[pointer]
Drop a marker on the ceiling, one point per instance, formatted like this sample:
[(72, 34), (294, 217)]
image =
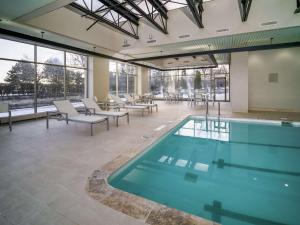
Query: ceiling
[(285, 35)]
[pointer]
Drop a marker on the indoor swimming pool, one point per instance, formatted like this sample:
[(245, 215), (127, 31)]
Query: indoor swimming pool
[(233, 172)]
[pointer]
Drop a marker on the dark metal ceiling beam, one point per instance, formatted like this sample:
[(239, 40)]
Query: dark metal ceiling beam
[(244, 6), (98, 18), (213, 59), (196, 8), (222, 51), (298, 7), (150, 17), (120, 9), (159, 7)]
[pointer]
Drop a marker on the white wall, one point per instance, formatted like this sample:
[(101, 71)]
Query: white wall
[(239, 82), (281, 96)]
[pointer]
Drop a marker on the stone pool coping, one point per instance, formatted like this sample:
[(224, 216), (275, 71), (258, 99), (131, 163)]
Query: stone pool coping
[(150, 212)]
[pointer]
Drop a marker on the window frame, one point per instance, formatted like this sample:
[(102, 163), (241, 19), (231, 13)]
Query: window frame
[(64, 65), (132, 72)]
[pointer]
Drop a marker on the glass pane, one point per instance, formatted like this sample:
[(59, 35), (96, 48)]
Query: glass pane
[(112, 66), (122, 68), (122, 83), (50, 56), (75, 84), (131, 85), (156, 83), (112, 83), (50, 84), (76, 60), (169, 84), (220, 89), (17, 83), (16, 50)]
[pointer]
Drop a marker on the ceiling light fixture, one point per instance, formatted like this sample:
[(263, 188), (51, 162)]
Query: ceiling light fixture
[(151, 39), (125, 44)]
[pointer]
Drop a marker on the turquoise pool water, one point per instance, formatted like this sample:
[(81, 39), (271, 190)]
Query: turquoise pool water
[(234, 173)]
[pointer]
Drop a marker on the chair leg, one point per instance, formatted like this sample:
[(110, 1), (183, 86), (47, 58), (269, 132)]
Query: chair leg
[(91, 129), (47, 121), (117, 122), (107, 124), (156, 108), (127, 117), (9, 121)]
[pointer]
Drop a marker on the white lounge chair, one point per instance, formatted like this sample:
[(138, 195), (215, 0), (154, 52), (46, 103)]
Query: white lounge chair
[(122, 104), (135, 102), (94, 109), (5, 113), (69, 113)]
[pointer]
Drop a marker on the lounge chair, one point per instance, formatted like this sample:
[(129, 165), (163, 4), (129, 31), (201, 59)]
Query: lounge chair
[(122, 104), (69, 113), (5, 113), (135, 102), (94, 109)]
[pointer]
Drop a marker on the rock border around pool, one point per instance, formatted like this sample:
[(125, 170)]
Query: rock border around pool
[(132, 205)]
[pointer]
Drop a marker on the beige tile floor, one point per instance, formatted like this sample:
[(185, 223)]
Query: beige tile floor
[(43, 173)]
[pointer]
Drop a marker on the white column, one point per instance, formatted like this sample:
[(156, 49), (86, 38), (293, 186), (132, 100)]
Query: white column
[(239, 82), (100, 81), (143, 80)]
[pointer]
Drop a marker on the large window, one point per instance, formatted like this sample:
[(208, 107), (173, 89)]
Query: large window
[(122, 78), (214, 81), (32, 76)]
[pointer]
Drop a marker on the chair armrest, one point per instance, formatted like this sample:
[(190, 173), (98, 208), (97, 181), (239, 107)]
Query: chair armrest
[(90, 111)]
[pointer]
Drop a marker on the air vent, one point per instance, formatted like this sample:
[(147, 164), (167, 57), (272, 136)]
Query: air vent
[(186, 61), (273, 77), (151, 41), (184, 36), (269, 23), (170, 63), (222, 30)]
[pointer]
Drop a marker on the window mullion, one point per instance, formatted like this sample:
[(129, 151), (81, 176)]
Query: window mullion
[(65, 75), (35, 80)]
